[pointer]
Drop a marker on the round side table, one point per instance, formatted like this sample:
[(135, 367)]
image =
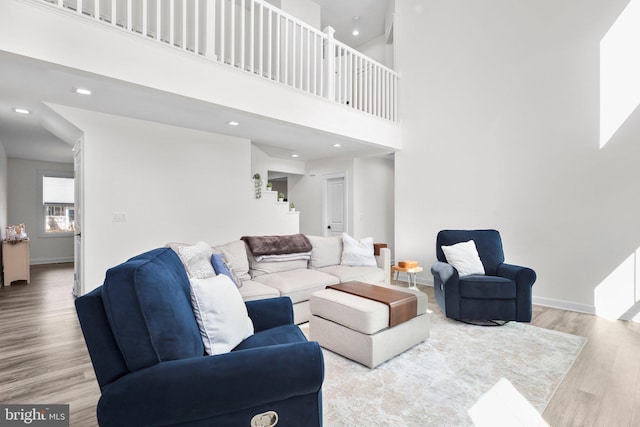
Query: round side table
[(412, 274)]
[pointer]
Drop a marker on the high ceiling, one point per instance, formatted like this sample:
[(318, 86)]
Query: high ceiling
[(27, 83), (340, 14)]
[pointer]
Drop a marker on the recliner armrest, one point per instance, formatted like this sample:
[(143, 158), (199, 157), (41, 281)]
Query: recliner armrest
[(520, 275), (269, 313), (199, 388), (444, 272)]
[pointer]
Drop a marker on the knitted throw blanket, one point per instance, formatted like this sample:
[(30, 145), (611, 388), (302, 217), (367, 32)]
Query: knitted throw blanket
[(277, 245)]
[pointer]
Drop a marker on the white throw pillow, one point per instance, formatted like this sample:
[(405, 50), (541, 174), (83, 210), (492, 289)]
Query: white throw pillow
[(464, 258), (197, 260), (220, 312), (357, 253), (326, 251)]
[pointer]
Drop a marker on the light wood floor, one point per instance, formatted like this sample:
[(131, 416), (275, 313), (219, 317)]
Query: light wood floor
[(43, 358)]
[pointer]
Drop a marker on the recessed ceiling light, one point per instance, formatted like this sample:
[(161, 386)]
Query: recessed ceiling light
[(356, 33), (21, 111), (82, 91), (295, 155), (356, 18), (337, 145), (232, 123)]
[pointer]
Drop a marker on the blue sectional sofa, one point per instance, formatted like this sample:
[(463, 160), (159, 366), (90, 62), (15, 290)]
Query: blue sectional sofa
[(150, 363)]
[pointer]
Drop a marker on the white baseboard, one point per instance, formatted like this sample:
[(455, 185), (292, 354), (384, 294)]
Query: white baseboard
[(564, 305), (50, 260)]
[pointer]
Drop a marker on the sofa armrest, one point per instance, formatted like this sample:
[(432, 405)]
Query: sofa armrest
[(199, 388), (384, 262), (269, 313)]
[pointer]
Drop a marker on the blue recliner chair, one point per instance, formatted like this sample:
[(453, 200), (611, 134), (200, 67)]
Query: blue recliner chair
[(502, 293), (151, 366)]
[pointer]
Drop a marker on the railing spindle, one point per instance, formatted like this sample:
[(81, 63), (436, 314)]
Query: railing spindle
[(172, 22), (308, 60), (261, 40), (185, 40), (196, 27), (232, 30), (242, 31), (145, 16), (253, 40), (293, 53), (286, 51), (278, 41), (269, 43), (315, 64), (129, 15), (223, 41)]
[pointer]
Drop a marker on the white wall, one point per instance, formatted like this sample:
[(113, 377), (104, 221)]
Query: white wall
[(174, 184), (25, 207), (375, 49), (500, 108), (373, 186), (369, 191), (307, 193), (262, 163), (305, 10), (3, 191)]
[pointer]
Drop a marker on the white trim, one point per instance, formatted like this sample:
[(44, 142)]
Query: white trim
[(564, 305), (50, 260)]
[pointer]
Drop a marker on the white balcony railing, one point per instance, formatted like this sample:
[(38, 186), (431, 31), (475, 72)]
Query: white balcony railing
[(256, 37)]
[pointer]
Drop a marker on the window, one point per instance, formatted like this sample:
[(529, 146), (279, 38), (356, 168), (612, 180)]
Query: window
[(58, 203)]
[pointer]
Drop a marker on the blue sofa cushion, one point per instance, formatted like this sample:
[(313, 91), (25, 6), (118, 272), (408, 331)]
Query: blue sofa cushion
[(147, 302), (487, 287)]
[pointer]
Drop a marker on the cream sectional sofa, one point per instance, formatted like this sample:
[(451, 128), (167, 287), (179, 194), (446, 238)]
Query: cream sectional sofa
[(298, 279)]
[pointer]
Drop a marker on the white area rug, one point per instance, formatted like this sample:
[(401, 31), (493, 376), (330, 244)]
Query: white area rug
[(436, 383)]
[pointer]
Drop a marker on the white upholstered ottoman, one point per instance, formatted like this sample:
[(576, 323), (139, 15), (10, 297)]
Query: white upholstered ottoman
[(358, 328)]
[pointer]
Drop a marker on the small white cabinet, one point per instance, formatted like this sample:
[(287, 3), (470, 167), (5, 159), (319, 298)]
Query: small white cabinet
[(15, 257)]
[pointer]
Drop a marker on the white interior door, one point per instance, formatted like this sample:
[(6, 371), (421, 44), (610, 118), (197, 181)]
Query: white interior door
[(335, 206), (78, 282)]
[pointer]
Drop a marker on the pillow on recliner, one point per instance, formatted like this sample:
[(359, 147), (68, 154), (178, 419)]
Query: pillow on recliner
[(464, 258), (220, 312)]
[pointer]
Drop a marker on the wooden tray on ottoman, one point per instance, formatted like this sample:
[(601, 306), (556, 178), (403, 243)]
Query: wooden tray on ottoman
[(402, 305)]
